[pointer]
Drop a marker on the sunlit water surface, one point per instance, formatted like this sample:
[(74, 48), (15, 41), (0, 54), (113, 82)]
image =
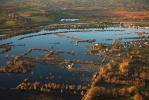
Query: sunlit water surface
[(41, 72)]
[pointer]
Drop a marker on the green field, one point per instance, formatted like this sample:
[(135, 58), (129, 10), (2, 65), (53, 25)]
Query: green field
[(143, 52), (24, 12), (35, 15), (35, 4), (39, 19), (145, 88), (1, 15)]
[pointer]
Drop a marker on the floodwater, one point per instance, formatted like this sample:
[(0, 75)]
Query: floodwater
[(61, 75), (69, 19)]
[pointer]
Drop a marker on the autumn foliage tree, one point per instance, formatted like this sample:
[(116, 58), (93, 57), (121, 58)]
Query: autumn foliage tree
[(29, 14), (137, 96)]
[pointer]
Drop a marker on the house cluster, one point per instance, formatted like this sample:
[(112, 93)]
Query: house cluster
[(67, 64), (15, 17), (129, 25), (125, 46)]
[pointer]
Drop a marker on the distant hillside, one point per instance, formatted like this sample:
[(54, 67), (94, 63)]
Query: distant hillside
[(94, 4), (84, 1)]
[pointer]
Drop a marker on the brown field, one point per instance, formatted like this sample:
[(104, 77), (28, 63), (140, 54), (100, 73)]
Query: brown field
[(117, 14)]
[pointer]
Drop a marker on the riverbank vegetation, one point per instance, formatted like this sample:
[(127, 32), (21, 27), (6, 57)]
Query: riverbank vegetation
[(129, 76), (124, 73)]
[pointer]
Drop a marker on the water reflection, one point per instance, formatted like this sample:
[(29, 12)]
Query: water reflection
[(57, 74)]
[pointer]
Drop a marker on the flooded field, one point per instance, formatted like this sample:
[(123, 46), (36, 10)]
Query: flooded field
[(66, 45)]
